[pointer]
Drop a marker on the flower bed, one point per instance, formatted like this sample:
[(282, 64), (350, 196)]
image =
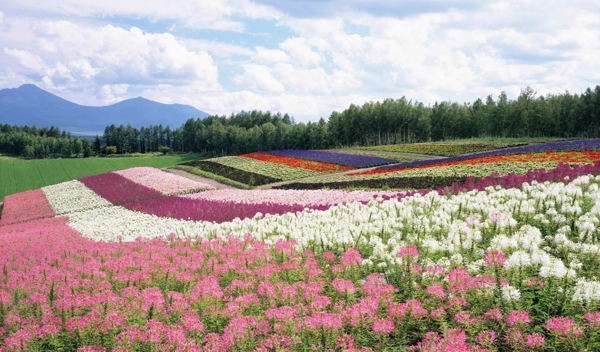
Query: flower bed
[(496, 269), (574, 157), (118, 189), (163, 182), (25, 206), (73, 196), (318, 166), (232, 173), (333, 157), (578, 145), (446, 148), (296, 197), (213, 210), (278, 171)]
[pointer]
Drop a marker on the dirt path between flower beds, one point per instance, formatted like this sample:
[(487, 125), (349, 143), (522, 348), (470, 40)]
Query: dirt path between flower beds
[(186, 174)]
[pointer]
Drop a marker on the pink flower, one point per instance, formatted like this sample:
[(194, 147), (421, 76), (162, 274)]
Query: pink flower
[(351, 257), (494, 258), (486, 338), (343, 286), (382, 326), (563, 326), (465, 318), (494, 314), (535, 340), (408, 251), (436, 290), (438, 313), (518, 317), (593, 318), (514, 337), (329, 256)]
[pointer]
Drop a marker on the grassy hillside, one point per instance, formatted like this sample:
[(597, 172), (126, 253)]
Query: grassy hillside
[(17, 175)]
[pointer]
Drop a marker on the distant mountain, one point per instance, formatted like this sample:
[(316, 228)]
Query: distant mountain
[(29, 105)]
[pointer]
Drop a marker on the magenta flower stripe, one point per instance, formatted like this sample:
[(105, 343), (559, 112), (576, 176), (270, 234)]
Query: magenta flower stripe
[(212, 210), (118, 189)]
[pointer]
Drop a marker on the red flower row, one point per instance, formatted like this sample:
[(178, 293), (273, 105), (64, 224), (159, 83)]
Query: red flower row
[(318, 166), (585, 156)]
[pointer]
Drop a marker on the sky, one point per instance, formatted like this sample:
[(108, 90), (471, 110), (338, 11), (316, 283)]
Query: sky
[(306, 58)]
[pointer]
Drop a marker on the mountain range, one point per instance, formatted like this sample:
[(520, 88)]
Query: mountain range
[(30, 105)]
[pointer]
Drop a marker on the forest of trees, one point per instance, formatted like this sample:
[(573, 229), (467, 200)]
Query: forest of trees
[(374, 123)]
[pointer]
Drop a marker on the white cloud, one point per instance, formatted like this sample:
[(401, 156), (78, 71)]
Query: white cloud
[(112, 55), (259, 78), (27, 59), (306, 66)]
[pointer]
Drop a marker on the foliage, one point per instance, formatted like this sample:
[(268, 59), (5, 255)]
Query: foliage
[(245, 177), (275, 170), (164, 149)]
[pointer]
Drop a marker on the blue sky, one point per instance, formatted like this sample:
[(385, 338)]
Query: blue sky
[(306, 57)]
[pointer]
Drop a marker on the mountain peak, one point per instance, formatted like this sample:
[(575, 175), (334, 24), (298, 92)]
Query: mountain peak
[(30, 105)]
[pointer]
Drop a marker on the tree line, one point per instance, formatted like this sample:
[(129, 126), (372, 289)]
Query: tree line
[(389, 121)]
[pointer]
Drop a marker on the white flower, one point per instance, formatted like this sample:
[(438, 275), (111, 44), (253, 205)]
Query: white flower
[(510, 293)]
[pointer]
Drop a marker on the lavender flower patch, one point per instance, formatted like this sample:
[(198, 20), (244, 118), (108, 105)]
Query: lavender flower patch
[(333, 157), (118, 189), (578, 145)]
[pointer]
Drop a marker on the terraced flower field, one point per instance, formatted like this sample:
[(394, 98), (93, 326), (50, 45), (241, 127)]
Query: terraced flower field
[(145, 260)]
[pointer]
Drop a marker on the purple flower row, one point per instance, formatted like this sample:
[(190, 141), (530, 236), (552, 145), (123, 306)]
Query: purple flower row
[(212, 210), (118, 189), (333, 157), (578, 145)]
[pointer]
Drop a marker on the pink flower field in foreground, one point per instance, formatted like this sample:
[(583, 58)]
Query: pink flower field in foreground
[(164, 182), (25, 206), (296, 197)]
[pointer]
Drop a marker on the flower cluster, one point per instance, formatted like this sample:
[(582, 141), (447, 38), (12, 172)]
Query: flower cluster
[(164, 182), (318, 166)]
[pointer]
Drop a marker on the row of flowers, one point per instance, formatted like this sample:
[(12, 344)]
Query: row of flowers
[(277, 171), (446, 148), (318, 166), (25, 206), (233, 173), (494, 269), (353, 160), (164, 182), (565, 146), (573, 157)]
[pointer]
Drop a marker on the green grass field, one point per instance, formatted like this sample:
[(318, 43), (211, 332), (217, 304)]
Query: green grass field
[(17, 175)]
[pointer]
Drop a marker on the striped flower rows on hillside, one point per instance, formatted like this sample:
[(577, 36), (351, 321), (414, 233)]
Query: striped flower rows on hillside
[(298, 197), (488, 269), (118, 189), (333, 157), (164, 182), (318, 166), (446, 148), (573, 146), (73, 196), (276, 171), (25, 206), (572, 157)]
